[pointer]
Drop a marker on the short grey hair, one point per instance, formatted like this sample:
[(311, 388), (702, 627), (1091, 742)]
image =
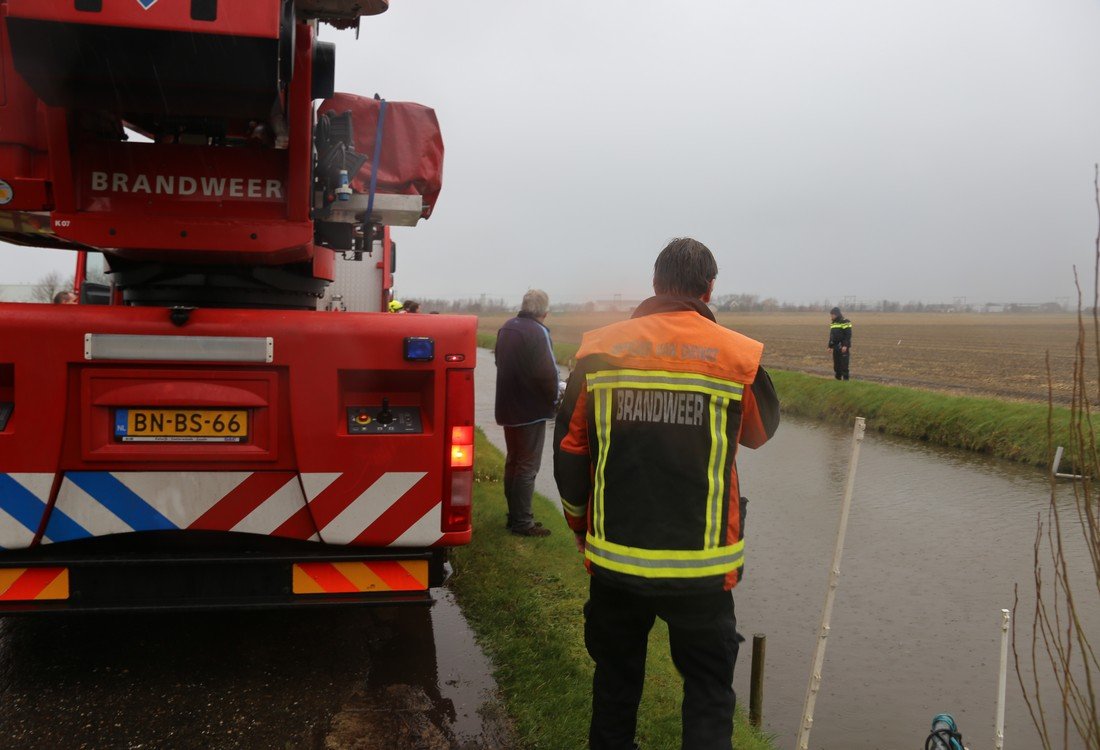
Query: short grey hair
[(535, 303)]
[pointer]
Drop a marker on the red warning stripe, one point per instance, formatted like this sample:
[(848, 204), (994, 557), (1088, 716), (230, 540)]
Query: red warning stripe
[(298, 526), (24, 584), (396, 576), (399, 517), (359, 577), (318, 512), (329, 578), (242, 500), (334, 499)]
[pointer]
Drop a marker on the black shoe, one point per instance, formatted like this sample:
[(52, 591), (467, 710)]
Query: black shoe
[(534, 530)]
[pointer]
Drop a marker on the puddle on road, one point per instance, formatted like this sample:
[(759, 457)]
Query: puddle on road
[(464, 672), (429, 687)]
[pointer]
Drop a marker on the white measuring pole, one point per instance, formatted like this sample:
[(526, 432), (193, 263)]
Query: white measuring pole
[(999, 725), (830, 594), (1057, 463)]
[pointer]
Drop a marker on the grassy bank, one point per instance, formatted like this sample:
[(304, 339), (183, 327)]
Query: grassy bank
[(523, 598), (1007, 429), (1011, 430)]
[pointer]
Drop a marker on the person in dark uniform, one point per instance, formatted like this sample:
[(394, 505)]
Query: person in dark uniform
[(644, 458), (840, 341)]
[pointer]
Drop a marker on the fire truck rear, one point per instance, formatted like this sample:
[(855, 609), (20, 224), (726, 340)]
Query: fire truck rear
[(196, 433)]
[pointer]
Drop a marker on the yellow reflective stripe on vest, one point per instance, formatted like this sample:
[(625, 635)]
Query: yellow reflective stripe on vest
[(602, 404), (716, 482), (664, 563), (839, 325), (573, 510), (666, 380)]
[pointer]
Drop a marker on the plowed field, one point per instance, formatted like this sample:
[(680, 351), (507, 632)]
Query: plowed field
[(992, 354)]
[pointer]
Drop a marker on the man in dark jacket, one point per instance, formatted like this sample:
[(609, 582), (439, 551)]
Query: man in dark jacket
[(645, 460), (527, 391), (840, 342)]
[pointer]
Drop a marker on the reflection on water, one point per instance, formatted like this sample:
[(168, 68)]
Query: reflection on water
[(935, 544)]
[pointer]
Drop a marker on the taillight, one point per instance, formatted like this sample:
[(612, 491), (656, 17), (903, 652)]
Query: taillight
[(462, 447), (456, 516), (460, 450)]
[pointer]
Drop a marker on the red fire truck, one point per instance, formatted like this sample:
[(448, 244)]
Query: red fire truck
[(196, 433)]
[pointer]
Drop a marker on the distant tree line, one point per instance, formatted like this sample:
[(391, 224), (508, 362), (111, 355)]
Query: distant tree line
[(482, 305), (485, 305), (753, 303)]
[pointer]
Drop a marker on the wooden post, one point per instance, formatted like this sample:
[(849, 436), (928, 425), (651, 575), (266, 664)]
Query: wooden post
[(756, 681), (830, 593)]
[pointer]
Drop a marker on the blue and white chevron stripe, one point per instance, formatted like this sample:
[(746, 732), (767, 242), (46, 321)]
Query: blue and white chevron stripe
[(98, 503), (23, 499)]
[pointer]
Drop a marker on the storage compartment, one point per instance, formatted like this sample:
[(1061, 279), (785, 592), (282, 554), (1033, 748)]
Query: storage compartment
[(410, 160), (406, 396)]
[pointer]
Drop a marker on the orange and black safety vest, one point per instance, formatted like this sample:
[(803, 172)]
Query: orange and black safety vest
[(646, 442)]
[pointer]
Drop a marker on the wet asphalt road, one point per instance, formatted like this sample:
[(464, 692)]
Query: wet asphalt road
[(369, 679), (358, 679)]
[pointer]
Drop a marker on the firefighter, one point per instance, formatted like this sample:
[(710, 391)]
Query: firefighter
[(840, 342), (644, 451)]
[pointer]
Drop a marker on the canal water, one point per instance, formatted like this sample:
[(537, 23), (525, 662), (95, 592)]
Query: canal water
[(937, 540)]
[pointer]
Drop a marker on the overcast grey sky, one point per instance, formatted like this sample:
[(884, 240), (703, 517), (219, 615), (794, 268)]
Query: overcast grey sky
[(900, 149)]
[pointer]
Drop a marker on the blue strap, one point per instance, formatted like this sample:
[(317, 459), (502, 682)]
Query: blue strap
[(377, 156)]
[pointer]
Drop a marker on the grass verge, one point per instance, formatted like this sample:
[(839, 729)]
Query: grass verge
[(1015, 431), (523, 598)]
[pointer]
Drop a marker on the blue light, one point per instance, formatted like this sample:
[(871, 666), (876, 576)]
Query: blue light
[(419, 349)]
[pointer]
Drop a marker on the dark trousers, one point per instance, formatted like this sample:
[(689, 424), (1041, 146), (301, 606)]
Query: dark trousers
[(521, 466), (703, 638), (840, 363)]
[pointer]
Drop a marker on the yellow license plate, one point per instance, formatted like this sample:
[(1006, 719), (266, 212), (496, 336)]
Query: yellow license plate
[(181, 425)]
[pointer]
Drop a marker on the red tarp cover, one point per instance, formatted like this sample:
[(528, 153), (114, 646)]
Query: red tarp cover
[(411, 162)]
